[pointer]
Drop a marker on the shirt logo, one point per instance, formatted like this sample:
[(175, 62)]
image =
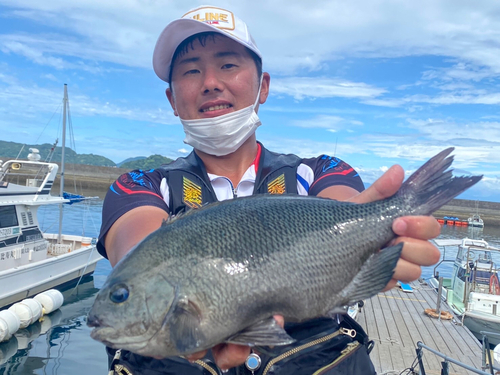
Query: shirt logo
[(277, 186), (220, 18), (191, 193)]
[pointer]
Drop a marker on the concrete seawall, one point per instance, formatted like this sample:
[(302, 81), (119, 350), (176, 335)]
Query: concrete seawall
[(103, 177), (463, 209), (94, 180)]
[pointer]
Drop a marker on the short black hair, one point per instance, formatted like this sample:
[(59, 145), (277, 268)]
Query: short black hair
[(202, 39)]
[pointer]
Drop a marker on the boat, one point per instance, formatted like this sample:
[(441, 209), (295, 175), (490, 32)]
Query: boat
[(475, 221), (32, 261), (473, 290)]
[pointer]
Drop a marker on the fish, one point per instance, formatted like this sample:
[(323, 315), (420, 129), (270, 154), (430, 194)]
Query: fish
[(219, 273)]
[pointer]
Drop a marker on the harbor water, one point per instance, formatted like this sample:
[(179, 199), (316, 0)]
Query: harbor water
[(61, 343)]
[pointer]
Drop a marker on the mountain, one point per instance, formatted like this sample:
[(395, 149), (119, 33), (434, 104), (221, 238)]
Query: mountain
[(12, 149), (153, 161), (129, 160)]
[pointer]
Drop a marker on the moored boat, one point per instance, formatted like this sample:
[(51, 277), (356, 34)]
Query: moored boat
[(473, 291), (32, 261), (476, 221)]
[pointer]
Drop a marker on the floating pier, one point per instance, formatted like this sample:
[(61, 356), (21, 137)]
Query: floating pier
[(395, 321)]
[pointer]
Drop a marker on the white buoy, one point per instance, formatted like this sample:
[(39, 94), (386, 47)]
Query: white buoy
[(9, 324), (28, 310), (51, 300), (86, 241)]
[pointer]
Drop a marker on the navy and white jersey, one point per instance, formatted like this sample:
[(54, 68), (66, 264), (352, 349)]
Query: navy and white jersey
[(150, 188)]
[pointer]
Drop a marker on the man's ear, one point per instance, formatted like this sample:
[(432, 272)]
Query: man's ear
[(170, 97), (264, 90)]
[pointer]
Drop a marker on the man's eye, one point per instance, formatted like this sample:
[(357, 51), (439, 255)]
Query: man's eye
[(192, 71), (228, 66)]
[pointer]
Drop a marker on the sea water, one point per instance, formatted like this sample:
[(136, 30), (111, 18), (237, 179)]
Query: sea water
[(61, 343)]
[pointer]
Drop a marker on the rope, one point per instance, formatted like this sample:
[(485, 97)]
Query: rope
[(433, 314), (388, 339)]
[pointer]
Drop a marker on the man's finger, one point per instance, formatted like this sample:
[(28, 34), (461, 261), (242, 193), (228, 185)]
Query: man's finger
[(227, 356), (386, 186), (418, 252), (195, 356), (420, 227)]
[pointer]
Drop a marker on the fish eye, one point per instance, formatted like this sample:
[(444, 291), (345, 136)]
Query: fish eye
[(119, 294)]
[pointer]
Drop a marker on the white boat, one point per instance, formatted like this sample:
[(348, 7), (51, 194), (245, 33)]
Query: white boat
[(475, 221), (473, 291), (32, 261)]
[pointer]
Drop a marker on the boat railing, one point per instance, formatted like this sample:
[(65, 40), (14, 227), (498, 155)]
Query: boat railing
[(447, 360), (33, 174), (59, 248), (486, 346), (435, 272)]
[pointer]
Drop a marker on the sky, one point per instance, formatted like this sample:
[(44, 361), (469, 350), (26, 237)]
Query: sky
[(373, 82)]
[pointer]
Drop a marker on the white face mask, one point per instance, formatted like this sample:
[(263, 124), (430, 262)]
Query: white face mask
[(223, 134)]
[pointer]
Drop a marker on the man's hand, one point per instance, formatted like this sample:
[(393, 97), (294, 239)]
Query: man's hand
[(230, 355), (414, 231)]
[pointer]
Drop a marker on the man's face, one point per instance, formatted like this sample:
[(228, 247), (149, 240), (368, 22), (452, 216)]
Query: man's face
[(215, 79)]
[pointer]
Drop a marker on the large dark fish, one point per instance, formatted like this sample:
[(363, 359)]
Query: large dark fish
[(218, 274)]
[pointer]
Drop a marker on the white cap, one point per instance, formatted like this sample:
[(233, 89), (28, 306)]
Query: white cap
[(199, 20)]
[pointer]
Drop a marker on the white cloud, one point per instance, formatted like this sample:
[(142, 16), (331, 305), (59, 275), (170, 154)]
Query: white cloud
[(478, 132), (329, 122), (296, 33), (458, 98), (302, 87), (18, 96)]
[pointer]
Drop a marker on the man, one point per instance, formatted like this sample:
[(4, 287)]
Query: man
[(216, 85)]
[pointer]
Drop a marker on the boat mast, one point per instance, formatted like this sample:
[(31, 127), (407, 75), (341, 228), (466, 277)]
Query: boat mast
[(63, 146)]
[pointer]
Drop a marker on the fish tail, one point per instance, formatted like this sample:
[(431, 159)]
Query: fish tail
[(433, 185)]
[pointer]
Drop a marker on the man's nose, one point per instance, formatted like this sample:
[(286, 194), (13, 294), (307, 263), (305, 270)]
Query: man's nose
[(212, 81)]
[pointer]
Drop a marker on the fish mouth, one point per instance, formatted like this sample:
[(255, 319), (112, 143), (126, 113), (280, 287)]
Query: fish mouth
[(107, 336)]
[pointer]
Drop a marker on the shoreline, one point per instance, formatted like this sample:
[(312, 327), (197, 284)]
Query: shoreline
[(96, 180)]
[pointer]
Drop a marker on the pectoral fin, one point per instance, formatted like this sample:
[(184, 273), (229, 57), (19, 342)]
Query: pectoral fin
[(185, 327), (264, 333), (373, 276)]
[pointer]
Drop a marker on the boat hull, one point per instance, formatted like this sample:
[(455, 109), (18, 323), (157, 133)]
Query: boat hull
[(28, 280), (477, 322)]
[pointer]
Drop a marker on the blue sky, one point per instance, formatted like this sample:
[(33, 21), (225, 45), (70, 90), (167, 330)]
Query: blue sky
[(374, 82)]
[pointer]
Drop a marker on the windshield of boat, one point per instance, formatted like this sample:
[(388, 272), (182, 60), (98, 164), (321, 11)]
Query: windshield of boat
[(479, 255)]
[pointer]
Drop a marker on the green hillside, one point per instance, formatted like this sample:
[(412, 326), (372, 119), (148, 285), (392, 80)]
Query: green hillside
[(153, 161), (12, 149)]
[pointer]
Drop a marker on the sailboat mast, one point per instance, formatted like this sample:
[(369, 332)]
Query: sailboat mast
[(63, 146)]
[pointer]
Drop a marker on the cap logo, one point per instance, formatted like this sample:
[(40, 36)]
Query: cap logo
[(220, 18)]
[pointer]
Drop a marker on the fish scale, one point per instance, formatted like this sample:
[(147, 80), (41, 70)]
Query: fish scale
[(221, 272)]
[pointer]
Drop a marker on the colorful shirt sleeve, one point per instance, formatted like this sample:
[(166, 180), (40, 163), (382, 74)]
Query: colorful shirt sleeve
[(134, 189), (331, 171)]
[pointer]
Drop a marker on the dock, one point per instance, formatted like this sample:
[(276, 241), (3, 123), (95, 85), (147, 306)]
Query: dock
[(395, 321)]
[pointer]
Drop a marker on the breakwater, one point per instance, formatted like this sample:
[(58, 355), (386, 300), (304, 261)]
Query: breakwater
[(463, 209), (94, 180), (88, 179), (99, 178)]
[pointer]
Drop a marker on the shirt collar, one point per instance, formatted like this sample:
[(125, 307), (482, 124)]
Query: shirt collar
[(251, 173)]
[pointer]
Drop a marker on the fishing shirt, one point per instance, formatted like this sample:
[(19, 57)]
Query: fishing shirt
[(150, 188)]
